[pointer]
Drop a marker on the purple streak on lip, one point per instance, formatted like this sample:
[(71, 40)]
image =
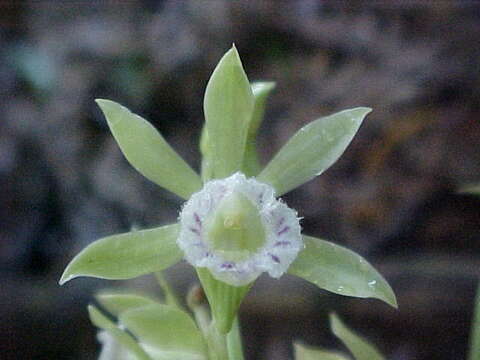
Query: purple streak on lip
[(275, 258), (227, 266), (284, 230), (197, 219), (281, 243)]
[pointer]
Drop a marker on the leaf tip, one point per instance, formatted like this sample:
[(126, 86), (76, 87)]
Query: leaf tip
[(104, 103), (360, 113), (66, 276), (392, 300), (387, 295), (263, 87)]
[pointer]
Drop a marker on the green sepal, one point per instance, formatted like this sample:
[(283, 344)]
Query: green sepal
[(116, 303), (165, 332), (148, 152), (261, 91), (224, 299), (127, 255), (341, 271), (474, 351), (359, 347), (122, 337), (312, 150), (303, 352), (228, 106)]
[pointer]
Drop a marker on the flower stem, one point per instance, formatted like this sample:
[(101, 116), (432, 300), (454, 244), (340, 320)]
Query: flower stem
[(216, 342), (234, 342)]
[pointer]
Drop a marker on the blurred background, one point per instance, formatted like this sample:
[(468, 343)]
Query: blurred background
[(393, 197)]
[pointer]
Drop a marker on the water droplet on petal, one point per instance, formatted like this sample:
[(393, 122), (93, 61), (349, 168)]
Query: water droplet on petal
[(372, 283), (340, 288)]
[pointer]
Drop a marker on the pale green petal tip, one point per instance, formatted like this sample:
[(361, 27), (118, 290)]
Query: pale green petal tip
[(71, 272), (67, 275), (389, 297), (108, 105), (357, 115), (361, 113), (231, 57), (261, 88)]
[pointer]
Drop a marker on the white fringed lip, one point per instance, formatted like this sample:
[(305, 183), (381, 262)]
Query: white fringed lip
[(282, 229)]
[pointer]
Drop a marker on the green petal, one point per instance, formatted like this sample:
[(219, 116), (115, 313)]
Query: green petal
[(358, 346), (127, 255), (164, 328), (474, 353), (312, 150), (228, 106), (251, 164), (224, 299), (123, 338), (148, 152), (339, 270), (303, 352), (116, 303)]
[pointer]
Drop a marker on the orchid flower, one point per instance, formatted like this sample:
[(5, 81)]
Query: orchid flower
[(233, 226)]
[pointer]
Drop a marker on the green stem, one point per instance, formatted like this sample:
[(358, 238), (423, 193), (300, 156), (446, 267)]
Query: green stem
[(475, 333), (234, 342), (216, 342)]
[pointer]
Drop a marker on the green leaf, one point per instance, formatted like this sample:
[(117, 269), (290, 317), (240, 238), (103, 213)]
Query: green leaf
[(473, 189), (251, 164), (339, 270), (228, 106), (224, 299), (148, 152), (303, 352), (116, 303), (312, 150), (358, 346), (165, 329), (127, 255), (124, 339), (474, 353)]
